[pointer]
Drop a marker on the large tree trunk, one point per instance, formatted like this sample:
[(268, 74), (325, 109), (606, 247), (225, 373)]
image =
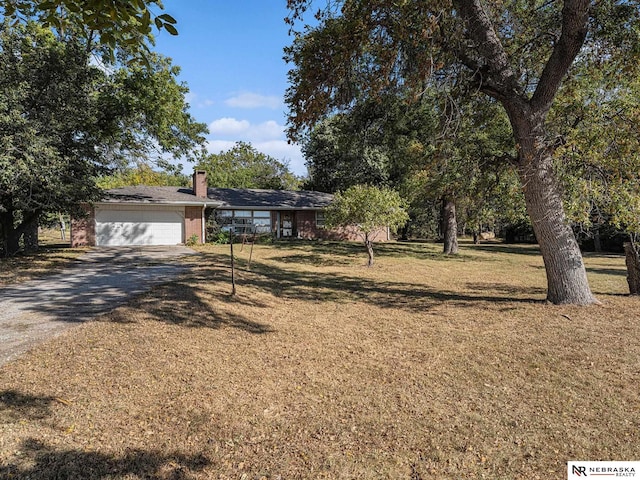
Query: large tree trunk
[(497, 77), (449, 226), (30, 235), (477, 234), (10, 236), (632, 259), (597, 242), (566, 275)]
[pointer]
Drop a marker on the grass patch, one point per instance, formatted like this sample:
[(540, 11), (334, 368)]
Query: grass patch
[(53, 254), (423, 366)]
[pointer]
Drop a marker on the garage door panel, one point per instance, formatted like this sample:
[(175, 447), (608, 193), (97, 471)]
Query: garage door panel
[(116, 227)]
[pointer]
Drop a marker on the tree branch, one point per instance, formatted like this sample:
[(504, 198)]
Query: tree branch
[(479, 29), (575, 17)]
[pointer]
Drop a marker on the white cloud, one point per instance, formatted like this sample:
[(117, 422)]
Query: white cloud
[(285, 152), (254, 100), (266, 131), (193, 98), (217, 146), (206, 103), (229, 126), (266, 137), (245, 130)]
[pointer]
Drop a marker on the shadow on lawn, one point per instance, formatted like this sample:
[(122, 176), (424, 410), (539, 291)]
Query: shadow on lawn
[(518, 249), (315, 259), (184, 302), (15, 406), (93, 288), (416, 250), (321, 287), (608, 271), (43, 462)]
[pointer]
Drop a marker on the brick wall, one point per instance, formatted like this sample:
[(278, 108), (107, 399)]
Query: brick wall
[(306, 225), (83, 230), (193, 223)]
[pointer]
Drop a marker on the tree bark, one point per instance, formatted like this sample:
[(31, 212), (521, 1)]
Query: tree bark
[(369, 244), (30, 235), (10, 236), (632, 260), (597, 242), (566, 276), (449, 226)]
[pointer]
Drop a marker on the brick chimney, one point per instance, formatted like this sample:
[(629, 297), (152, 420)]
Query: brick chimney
[(200, 183)]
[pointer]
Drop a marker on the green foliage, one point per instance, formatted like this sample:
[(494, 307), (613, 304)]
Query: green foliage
[(142, 174), (598, 158), (123, 25), (368, 208), (65, 122), (48, 134), (427, 149), (516, 53), (220, 237), (359, 146), (153, 118), (192, 240), (336, 159), (244, 167)]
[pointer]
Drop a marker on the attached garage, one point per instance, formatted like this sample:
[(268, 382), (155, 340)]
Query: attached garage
[(144, 215), (119, 225)]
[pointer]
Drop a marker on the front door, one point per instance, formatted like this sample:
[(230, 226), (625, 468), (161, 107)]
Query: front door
[(287, 222)]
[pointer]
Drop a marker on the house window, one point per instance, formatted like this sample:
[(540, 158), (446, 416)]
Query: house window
[(244, 221), (262, 221), (319, 219)]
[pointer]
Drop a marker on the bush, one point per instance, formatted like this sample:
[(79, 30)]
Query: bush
[(192, 240), (220, 238)]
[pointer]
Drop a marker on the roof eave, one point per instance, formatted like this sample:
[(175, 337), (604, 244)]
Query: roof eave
[(157, 202), (268, 208)]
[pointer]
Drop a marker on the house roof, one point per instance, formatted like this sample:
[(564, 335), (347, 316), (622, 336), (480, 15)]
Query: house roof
[(153, 195), (269, 199), (229, 198)]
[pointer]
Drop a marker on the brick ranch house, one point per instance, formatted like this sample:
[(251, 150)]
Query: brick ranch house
[(171, 215)]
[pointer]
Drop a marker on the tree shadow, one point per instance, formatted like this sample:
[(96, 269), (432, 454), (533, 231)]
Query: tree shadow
[(185, 301), (321, 287), (416, 250), (315, 259), (43, 462), (91, 289), (326, 247), (517, 249), (420, 251), (506, 289), (608, 271), (15, 406)]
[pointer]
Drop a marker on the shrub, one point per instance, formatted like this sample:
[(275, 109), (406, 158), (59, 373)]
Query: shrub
[(221, 237), (192, 240)]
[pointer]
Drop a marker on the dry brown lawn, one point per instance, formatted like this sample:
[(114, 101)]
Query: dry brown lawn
[(422, 367), (53, 254)]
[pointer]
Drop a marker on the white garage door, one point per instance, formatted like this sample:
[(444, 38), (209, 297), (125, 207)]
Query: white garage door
[(142, 226)]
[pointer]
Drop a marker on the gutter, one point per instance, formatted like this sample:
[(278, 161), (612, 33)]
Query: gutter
[(203, 240), (176, 203)]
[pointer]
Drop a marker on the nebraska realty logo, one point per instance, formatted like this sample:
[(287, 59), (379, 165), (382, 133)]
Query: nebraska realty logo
[(581, 470)]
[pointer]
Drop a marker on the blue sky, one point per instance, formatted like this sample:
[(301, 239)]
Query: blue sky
[(231, 54)]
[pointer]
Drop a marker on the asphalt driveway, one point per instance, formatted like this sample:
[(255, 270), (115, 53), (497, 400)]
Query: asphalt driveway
[(101, 280)]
